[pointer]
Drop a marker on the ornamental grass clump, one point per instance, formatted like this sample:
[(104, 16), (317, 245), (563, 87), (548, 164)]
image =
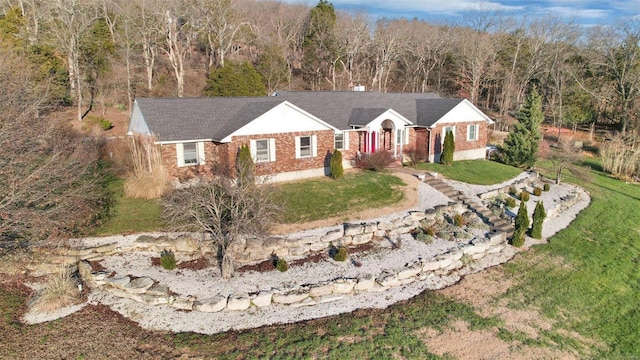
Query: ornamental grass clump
[(459, 221), (525, 196), (537, 191), (510, 202), (61, 290), (546, 187)]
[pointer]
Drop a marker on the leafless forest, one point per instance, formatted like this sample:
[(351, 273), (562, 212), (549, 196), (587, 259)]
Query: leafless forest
[(104, 53)]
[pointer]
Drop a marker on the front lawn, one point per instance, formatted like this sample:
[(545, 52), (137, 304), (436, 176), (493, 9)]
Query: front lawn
[(481, 172), (320, 198), (130, 215)]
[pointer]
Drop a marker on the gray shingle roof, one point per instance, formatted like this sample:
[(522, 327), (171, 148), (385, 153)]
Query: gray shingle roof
[(179, 119)]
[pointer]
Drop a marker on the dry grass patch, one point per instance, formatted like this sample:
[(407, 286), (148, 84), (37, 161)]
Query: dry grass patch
[(61, 290), (147, 178)]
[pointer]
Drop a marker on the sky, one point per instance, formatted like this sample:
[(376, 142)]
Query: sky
[(583, 12)]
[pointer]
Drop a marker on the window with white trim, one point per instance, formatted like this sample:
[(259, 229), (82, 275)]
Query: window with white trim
[(446, 129), (338, 141), (472, 132), (402, 136), (306, 146), (263, 150), (190, 154)]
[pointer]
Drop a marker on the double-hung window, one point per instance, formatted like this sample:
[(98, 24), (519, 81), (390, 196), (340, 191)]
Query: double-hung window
[(447, 129), (472, 132), (191, 153), (306, 146), (341, 141), (263, 150)]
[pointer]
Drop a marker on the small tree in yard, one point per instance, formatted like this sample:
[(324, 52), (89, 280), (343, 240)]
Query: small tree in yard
[(520, 148), (563, 155), (521, 225), (337, 171), (538, 218), (223, 209), (449, 148)]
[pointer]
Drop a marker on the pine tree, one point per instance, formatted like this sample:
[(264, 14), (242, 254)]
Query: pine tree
[(521, 226), (449, 148), (235, 80), (337, 171), (520, 148), (538, 218), (319, 46)]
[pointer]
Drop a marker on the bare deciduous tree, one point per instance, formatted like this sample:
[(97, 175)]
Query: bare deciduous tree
[(224, 209), (51, 181)]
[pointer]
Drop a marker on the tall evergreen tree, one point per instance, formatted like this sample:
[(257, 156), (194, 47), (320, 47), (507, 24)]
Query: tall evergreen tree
[(538, 218), (319, 45), (235, 80), (448, 149), (245, 168), (520, 148)]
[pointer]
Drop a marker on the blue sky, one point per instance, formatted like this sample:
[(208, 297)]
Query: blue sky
[(585, 12)]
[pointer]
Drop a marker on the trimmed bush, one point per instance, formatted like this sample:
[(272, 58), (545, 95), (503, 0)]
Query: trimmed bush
[(525, 196), (282, 265), (538, 218), (510, 202), (337, 171), (517, 239), (377, 161), (537, 191), (547, 187), (167, 260), (341, 254), (245, 168), (513, 191)]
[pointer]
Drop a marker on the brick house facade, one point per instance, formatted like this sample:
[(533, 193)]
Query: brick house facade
[(293, 135)]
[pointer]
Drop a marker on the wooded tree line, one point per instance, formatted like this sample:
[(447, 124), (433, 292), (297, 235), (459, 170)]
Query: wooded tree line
[(107, 52)]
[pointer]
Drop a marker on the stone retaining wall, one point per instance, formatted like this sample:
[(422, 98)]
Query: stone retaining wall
[(146, 290)]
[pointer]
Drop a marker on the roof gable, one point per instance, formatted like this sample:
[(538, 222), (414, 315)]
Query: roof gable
[(464, 111), (282, 118)]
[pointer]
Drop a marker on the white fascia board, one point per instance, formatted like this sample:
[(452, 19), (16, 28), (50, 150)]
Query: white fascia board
[(282, 118), (457, 114), (183, 141), (398, 120)]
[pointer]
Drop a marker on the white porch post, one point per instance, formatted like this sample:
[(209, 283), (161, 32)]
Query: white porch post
[(402, 137)]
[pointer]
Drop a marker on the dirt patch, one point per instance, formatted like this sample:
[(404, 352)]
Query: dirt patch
[(461, 343), (409, 200)]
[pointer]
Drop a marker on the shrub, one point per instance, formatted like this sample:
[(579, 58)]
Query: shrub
[(521, 225), (458, 220), (424, 237), (466, 259), (282, 265), (167, 260), (429, 231), (525, 196), (335, 164), (341, 254), (100, 122), (245, 168), (513, 191), (537, 191), (510, 202), (60, 290), (377, 161), (547, 187), (449, 148), (414, 155), (538, 218), (147, 178)]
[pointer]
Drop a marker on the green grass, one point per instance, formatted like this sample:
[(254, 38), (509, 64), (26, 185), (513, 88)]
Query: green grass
[(481, 172), (588, 277), (374, 334), (320, 198), (130, 215)]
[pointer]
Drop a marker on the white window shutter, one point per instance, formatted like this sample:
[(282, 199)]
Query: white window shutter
[(272, 149), (297, 147), (200, 147), (180, 154), (314, 145), (345, 140), (252, 148), (406, 135)]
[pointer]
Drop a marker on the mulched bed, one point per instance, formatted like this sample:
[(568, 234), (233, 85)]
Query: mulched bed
[(197, 264)]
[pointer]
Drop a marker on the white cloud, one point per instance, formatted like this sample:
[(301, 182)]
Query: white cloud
[(576, 13)]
